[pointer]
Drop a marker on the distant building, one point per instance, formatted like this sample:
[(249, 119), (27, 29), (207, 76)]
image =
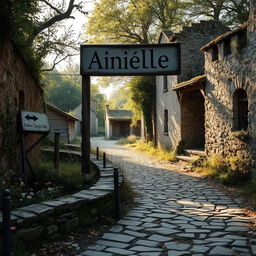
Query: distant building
[(61, 122), (118, 124), (93, 119)]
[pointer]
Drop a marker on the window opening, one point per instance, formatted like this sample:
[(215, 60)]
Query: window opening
[(215, 53), (165, 84), (165, 121), (240, 110), (227, 47)]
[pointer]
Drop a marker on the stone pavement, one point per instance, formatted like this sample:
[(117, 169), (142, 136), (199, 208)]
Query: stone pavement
[(176, 214)]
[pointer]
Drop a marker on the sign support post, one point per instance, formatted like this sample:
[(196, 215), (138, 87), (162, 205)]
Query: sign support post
[(86, 102), (121, 60), (31, 122)]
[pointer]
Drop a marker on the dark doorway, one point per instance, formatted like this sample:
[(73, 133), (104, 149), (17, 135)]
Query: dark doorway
[(193, 119)]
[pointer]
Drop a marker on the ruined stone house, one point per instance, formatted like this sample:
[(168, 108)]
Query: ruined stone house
[(20, 90), (230, 92), (179, 111)]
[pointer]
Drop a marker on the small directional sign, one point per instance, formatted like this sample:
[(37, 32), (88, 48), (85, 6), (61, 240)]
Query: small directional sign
[(34, 122)]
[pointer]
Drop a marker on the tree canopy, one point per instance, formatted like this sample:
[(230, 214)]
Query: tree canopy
[(63, 90), (133, 21), (230, 12), (35, 25)]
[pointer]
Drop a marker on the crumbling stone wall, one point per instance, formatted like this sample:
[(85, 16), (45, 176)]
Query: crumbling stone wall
[(192, 64), (16, 79), (224, 76)]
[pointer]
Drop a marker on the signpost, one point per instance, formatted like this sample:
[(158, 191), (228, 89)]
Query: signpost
[(31, 122), (34, 122), (121, 60)]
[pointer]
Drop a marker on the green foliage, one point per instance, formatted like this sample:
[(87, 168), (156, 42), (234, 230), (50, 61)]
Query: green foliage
[(115, 21), (35, 27), (64, 91), (231, 12), (49, 183), (229, 171), (65, 95), (119, 98), (136, 21), (141, 93)]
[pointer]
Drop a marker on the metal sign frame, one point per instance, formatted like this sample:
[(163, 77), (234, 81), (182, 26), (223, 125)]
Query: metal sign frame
[(86, 85)]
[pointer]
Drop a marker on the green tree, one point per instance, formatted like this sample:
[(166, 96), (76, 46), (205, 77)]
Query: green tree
[(126, 21), (119, 97), (35, 26), (141, 98), (62, 91), (232, 12)]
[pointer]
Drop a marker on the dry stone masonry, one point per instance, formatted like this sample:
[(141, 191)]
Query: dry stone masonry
[(230, 62), (53, 218)]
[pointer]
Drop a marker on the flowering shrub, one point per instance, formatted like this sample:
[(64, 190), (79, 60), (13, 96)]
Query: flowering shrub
[(49, 184)]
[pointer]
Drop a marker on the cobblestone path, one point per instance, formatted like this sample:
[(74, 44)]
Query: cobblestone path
[(176, 214)]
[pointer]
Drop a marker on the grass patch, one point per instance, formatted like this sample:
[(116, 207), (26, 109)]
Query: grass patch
[(148, 148), (130, 140), (230, 171)]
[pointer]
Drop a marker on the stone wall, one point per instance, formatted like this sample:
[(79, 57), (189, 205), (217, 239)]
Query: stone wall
[(192, 64), (192, 39), (224, 76), (55, 218), (15, 79)]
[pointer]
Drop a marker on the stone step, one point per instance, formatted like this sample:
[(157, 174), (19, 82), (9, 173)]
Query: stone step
[(195, 152), (187, 159)]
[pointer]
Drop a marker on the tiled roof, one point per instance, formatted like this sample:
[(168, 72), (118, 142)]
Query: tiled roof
[(223, 36), (120, 114), (191, 82)]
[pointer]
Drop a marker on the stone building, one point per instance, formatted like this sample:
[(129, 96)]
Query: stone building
[(118, 124), (174, 117), (230, 92), (20, 90), (93, 119)]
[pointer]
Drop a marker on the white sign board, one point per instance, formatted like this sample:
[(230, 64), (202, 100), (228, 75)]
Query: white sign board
[(34, 122), (149, 59)]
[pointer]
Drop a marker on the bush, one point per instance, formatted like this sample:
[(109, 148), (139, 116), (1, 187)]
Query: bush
[(229, 171), (48, 184), (130, 140)]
